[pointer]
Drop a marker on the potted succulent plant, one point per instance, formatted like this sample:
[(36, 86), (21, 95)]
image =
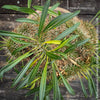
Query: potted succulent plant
[(53, 46)]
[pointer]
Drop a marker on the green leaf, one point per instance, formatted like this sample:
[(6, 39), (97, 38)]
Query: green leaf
[(83, 88), (22, 72), (43, 82), (29, 3), (67, 32), (32, 91), (59, 12), (77, 44), (65, 42), (16, 70), (13, 63), (27, 20), (35, 97), (21, 9), (48, 89), (19, 49), (90, 86), (52, 55), (34, 71), (12, 34), (16, 40), (82, 42), (36, 89), (43, 16), (60, 20), (40, 8), (62, 54), (62, 98), (54, 6), (67, 85), (23, 82), (71, 38), (99, 16), (93, 85), (98, 13), (56, 90), (47, 98), (12, 7), (26, 10), (32, 84)]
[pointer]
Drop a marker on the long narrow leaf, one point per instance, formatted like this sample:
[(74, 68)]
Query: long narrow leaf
[(12, 34), (35, 97), (32, 84), (67, 85), (90, 86), (27, 20), (62, 54), (47, 98), (93, 85), (82, 42), (34, 71), (54, 6), (52, 55), (67, 32), (83, 88), (48, 89), (65, 42), (22, 72), (13, 63), (60, 20), (43, 16), (98, 13), (19, 49), (40, 8), (27, 10), (53, 42), (43, 82), (56, 21), (77, 44), (29, 3), (21, 9), (32, 91), (16, 40), (56, 90), (23, 82), (12, 7)]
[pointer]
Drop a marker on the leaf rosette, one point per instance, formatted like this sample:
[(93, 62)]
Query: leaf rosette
[(55, 47)]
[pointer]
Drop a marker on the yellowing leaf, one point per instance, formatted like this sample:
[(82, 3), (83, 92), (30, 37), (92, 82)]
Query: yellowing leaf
[(53, 41), (32, 86), (65, 42)]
